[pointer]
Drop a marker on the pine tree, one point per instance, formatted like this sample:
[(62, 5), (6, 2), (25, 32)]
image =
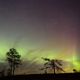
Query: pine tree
[(13, 59)]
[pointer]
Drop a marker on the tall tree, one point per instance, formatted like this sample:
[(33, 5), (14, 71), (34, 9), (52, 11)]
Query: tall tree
[(54, 64), (13, 59)]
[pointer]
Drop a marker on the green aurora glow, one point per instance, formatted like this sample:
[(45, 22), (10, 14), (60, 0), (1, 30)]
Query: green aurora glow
[(41, 29)]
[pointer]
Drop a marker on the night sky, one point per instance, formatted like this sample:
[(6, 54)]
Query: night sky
[(40, 28)]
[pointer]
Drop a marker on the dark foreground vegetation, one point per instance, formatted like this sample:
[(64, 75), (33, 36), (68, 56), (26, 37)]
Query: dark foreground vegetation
[(66, 76)]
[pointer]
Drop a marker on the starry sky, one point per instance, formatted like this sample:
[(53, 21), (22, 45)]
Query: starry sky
[(40, 28)]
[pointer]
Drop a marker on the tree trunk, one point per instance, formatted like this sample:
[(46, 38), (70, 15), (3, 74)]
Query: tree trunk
[(54, 70), (46, 71), (13, 70)]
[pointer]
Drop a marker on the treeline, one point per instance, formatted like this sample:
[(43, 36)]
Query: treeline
[(14, 60)]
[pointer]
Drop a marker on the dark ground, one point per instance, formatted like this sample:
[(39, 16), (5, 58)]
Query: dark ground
[(67, 76)]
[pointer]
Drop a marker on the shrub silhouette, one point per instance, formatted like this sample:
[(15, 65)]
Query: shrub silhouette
[(45, 69), (2, 73), (75, 71)]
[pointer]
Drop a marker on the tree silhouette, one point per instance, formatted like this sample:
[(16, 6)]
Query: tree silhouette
[(45, 69), (2, 72), (54, 64), (75, 71), (13, 59), (8, 72)]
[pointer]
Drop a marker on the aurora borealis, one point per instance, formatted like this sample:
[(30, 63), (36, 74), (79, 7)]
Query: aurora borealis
[(40, 28)]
